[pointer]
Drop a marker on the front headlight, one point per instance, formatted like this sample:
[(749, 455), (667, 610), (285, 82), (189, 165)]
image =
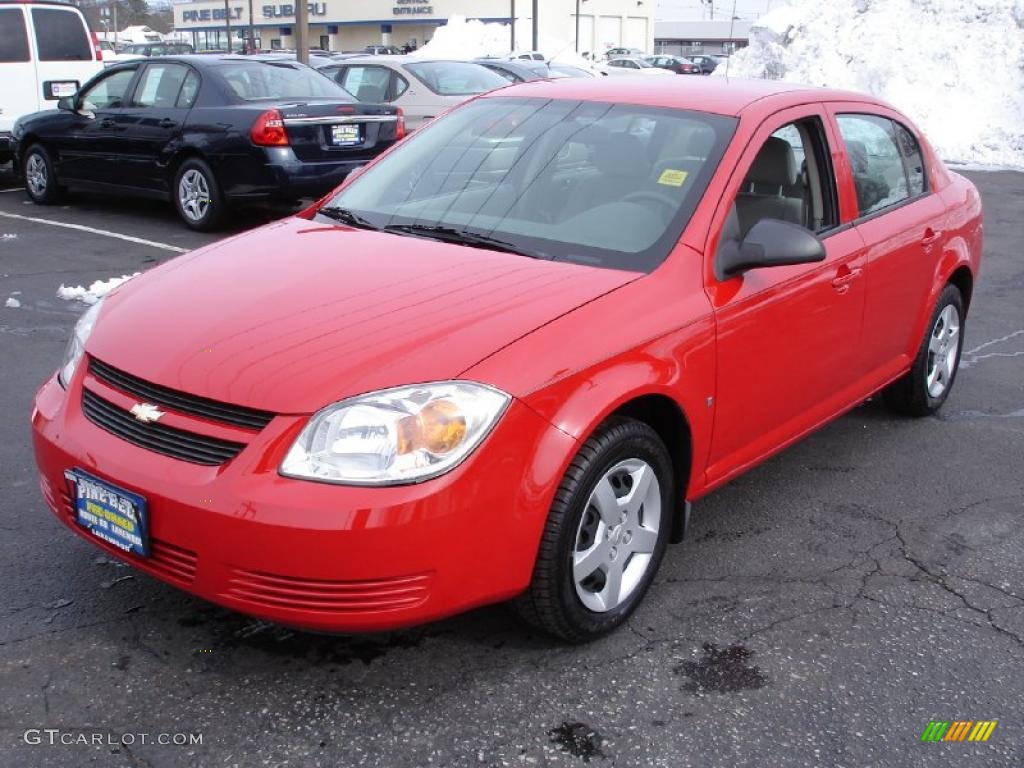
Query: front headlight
[(76, 344), (395, 436)]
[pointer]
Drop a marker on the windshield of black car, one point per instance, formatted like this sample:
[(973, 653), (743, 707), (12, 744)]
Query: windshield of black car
[(456, 78), (279, 80), (611, 185)]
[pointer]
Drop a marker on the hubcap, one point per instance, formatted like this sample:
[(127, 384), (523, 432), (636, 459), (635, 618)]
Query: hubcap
[(194, 194), (616, 536), (943, 348), (35, 175)]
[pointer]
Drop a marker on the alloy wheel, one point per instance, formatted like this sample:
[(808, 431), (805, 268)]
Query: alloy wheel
[(35, 174), (943, 348), (617, 535), (194, 194)]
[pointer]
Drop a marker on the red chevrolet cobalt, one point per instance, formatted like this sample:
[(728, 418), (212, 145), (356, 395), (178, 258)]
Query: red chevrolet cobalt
[(501, 361)]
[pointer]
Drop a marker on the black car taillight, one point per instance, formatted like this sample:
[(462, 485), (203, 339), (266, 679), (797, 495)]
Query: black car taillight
[(268, 130)]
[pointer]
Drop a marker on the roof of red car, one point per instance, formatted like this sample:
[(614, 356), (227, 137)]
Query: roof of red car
[(719, 95)]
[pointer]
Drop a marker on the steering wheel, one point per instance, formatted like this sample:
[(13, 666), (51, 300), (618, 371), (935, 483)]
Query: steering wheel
[(671, 206)]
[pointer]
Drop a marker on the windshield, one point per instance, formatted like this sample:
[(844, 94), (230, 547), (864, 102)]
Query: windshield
[(456, 78), (609, 185), (280, 80)]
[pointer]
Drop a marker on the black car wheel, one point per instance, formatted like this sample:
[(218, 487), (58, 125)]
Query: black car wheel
[(925, 387), (40, 176), (197, 195), (605, 535)]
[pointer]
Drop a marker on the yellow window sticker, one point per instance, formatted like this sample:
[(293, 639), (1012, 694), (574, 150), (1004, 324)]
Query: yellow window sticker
[(672, 178)]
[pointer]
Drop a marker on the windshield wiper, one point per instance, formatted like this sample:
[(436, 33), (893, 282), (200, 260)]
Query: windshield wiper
[(458, 236), (345, 216)]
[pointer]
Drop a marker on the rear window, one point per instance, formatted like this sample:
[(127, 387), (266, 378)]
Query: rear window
[(61, 35), (13, 37), (456, 78), (256, 81)]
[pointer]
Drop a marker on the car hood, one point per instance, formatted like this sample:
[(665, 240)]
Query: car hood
[(295, 315)]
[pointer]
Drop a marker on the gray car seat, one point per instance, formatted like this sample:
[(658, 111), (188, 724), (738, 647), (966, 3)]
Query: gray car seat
[(773, 173)]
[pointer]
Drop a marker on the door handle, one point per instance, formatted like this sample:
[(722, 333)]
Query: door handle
[(107, 122), (845, 276), (167, 123), (931, 236)]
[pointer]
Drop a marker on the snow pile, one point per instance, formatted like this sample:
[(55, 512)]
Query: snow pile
[(12, 302), (463, 39), (956, 67), (94, 292)]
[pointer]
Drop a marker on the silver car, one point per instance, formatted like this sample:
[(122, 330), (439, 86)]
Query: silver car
[(423, 88)]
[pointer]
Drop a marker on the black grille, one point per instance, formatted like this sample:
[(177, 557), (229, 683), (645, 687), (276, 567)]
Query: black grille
[(177, 443), (236, 415)]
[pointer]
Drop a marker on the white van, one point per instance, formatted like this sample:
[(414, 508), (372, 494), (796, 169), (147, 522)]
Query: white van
[(46, 52)]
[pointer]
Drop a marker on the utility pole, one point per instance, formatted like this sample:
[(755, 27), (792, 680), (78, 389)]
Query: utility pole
[(227, 22), (513, 24), (302, 31), (252, 31), (536, 3), (113, 5), (577, 26)]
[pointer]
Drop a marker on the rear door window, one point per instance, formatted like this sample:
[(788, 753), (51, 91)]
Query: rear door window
[(878, 170), (13, 37), (189, 90), (60, 35), (160, 85), (912, 159)]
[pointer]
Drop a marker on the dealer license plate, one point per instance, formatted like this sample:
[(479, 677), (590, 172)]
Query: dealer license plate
[(345, 135), (109, 513)]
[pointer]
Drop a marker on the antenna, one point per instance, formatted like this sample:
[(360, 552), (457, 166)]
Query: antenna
[(732, 25)]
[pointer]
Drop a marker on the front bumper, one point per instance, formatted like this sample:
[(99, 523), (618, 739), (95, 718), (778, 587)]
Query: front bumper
[(6, 146), (315, 555)]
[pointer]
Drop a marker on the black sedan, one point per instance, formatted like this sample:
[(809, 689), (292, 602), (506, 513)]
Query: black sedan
[(206, 132), (676, 64)]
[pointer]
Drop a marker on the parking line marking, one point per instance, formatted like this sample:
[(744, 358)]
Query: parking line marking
[(93, 231), (12, 189)]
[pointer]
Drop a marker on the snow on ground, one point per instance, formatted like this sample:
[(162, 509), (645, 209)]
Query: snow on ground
[(94, 292), (12, 302), (955, 67), (460, 38)]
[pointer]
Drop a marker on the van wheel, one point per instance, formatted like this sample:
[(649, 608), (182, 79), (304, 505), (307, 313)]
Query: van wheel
[(605, 535), (197, 195), (925, 387), (40, 177)]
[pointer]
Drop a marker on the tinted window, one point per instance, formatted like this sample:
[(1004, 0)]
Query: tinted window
[(912, 158), (456, 78), (60, 35), (256, 80), (876, 162), (109, 92), (189, 90), (400, 84), (13, 37), (367, 83), (160, 85), (604, 184)]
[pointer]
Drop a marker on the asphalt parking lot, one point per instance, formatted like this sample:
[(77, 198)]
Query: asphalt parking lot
[(827, 606)]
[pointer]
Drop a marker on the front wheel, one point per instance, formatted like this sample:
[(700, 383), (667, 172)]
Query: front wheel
[(197, 195), (40, 177), (605, 535), (925, 387)]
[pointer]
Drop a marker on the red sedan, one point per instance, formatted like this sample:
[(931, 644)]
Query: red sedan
[(500, 361)]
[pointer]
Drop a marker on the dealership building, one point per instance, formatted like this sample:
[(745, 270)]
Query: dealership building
[(343, 25)]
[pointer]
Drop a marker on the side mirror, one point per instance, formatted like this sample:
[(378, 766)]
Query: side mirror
[(769, 243), (67, 103)]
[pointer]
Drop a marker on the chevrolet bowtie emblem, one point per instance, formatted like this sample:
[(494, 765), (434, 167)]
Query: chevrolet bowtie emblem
[(146, 412)]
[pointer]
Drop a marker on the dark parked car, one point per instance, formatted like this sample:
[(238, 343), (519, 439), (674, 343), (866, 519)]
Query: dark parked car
[(707, 64), (523, 70), (206, 132), (158, 49), (676, 64)]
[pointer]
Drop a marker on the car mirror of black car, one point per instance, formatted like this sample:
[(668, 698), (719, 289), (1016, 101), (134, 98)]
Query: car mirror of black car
[(67, 103), (769, 243)]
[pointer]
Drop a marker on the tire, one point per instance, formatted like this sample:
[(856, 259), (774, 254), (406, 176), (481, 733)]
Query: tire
[(925, 387), (623, 452), (197, 195), (40, 177)]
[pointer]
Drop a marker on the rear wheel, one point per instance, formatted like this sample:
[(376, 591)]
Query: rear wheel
[(925, 387), (197, 195), (605, 535), (40, 176)]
